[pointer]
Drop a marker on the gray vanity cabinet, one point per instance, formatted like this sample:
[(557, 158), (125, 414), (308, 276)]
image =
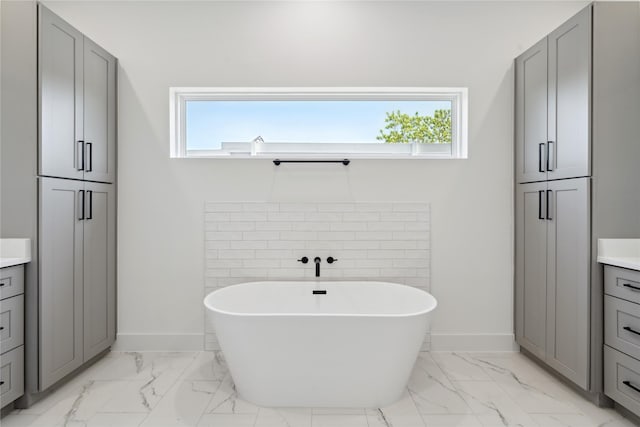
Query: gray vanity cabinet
[(77, 82), (553, 82), (77, 274), (552, 272)]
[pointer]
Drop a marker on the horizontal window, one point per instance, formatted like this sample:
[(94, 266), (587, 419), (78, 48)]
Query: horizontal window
[(319, 122)]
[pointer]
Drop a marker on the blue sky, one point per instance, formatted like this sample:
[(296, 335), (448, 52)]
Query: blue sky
[(211, 122)]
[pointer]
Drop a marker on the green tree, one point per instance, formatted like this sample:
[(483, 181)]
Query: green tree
[(401, 128)]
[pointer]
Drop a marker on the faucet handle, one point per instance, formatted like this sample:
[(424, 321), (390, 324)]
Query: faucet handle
[(304, 260), (331, 260)]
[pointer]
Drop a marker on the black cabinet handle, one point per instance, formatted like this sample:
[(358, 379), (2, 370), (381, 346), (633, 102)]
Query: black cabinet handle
[(331, 260), (549, 151), (549, 192), (1, 328), (321, 292), (540, 215), (631, 386), (89, 157), (1, 382), (304, 260), (635, 288), (540, 156), (626, 328), (81, 153), (81, 193), (90, 198)]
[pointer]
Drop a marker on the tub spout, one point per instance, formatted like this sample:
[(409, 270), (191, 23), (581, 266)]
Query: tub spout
[(317, 261)]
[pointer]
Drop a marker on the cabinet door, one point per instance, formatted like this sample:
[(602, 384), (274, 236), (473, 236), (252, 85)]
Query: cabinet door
[(531, 267), (61, 265), (568, 263), (99, 268), (570, 98), (60, 54), (99, 113), (531, 114)]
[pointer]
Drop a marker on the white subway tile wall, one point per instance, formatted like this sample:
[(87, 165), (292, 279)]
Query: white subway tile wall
[(251, 241)]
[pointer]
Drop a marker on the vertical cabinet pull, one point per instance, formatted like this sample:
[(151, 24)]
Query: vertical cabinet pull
[(90, 199), (549, 192), (81, 198), (540, 157), (549, 151), (80, 156), (540, 214), (89, 154)]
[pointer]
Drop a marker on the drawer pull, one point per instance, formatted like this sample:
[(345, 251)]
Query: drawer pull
[(1, 382), (635, 288), (626, 328), (1, 328), (631, 386)]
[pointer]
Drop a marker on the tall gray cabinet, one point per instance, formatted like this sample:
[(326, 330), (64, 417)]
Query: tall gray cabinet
[(59, 156), (581, 79), (77, 212)]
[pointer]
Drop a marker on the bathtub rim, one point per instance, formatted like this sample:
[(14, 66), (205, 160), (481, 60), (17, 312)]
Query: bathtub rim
[(431, 307)]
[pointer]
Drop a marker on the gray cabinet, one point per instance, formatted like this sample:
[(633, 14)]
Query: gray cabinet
[(622, 336), (77, 274), (531, 114), (569, 82), (77, 82), (11, 334), (99, 279), (553, 83), (568, 263), (531, 268), (552, 272)]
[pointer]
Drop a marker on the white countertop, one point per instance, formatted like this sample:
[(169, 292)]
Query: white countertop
[(14, 252), (620, 252)]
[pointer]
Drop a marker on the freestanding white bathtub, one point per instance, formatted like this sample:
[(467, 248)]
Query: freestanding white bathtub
[(287, 344)]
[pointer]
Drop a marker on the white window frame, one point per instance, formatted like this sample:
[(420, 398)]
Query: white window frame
[(458, 96)]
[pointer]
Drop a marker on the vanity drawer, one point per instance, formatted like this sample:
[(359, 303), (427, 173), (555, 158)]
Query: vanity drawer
[(622, 379), (11, 323), (11, 281), (11, 375), (622, 283)]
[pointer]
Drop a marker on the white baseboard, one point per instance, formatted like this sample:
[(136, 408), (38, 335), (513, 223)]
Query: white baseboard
[(473, 342), (159, 342)]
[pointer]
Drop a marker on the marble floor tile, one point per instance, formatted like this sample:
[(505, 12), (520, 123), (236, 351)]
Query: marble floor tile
[(432, 391), (208, 366), (284, 417), (339, 421), (115, 420), (227, 420), (226, 400), (461, 420), (577, 420), (491, 405), (460, 367), (196, 389), (402, 413), (183, 404)]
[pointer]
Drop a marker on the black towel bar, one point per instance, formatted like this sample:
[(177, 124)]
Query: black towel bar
[(343, 161)]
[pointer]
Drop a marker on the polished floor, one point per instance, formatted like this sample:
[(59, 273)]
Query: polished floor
[(194, 389)]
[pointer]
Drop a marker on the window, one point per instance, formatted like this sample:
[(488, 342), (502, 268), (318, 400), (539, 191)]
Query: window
[(319, 122)]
